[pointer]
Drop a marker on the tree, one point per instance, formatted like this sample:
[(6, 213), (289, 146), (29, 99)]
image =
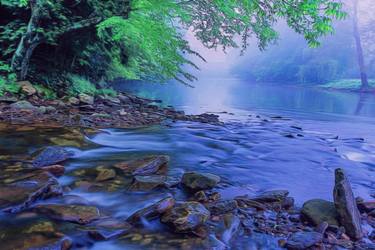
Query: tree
[(142, 39)]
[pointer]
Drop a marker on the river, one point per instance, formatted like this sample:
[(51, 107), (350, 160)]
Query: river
[(274, 137)]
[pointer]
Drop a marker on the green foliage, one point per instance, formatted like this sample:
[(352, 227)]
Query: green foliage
[(347, 84), (80, 85), (47, 93), (7, 80)]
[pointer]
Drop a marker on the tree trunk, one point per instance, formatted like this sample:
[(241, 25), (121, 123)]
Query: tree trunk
[(29, 41), (358, 42)]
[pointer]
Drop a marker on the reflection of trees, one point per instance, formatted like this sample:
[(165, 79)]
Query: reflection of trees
[(361, 102)]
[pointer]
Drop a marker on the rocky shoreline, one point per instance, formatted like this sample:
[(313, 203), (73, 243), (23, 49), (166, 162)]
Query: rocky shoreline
[(31, 194), (121, 111)]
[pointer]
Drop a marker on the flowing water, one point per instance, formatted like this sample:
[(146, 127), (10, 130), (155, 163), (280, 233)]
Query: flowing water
[(274, 137)]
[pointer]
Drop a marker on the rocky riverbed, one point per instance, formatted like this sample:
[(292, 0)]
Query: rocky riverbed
[(40, 212)]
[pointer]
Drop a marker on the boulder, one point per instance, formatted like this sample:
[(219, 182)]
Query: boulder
[(105, 174), (153, 211), (303, 240), (51, 156), (145, 166), (186, 217), (73, 213), (25, 105), (21, 189), (86, 99), (195, 181), (346, 206), (147, 183), (317, 211)]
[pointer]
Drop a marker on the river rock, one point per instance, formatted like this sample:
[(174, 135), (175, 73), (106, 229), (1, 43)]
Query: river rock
[(228, 228), (186, 217), (303, 240), (147, 183), (346, 206), (51, 156), (73, 101), (271, 196), (195, 181), (86, 99), (153, 211), (145, 166), (27, 88), (109, 228), (317, 211), (73, 213), (222, 207), (105, 174), (56, 170), (20, 190)]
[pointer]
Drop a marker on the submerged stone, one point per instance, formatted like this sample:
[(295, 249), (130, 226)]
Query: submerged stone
[(317, 211), (346, 206), (146, 166), (22, 189), (147, 183), (186, 217), (195, 181), (73, 213), (51, 156)]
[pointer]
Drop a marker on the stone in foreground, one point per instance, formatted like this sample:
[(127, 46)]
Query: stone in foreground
[(317, 211), (153, 211), (20, 190), (346, 206), (147, 183), (272, 196), (146, 166), (303, 240), (195, 181), (186, 217), (51, 156), (72, 213)]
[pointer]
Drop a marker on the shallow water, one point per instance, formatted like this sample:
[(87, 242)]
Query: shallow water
[(317, 132)]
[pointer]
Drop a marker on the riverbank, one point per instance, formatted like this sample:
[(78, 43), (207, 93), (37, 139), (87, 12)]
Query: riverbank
[(122, 110), (350, 85)]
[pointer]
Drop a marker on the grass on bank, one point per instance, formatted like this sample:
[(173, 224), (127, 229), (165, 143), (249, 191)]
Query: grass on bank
[(80, 85), (347, 84)]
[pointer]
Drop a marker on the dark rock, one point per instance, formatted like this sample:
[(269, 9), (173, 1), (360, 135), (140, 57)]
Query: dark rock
[(322, 227), (346, 206), (20, 190), (73, 213), (366, 206), (152, 212), (146, 166), (245, 202), (288, 203), (303, 240), (147, 183), (51, 156), (200, 196), (317, 211), (272, 196), (105, 174), (186, 217), (222, 207), (25, 105), (195, 181)]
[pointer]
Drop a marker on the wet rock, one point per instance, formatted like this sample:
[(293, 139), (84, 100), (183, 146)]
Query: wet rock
[(109, 228), (272, 196), (365, 206), (51, 156), (186, 217), (105, 174), (200, 196), (172, 181), (317, 211), (146, 166), (73, 213), (222, 207), (303, 240), (86, 99), (74, 200), (245, 202), (195, 181), (56, 170), (152, 212), (147, 183), (322, 227), (20, 190), (346, 206)]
